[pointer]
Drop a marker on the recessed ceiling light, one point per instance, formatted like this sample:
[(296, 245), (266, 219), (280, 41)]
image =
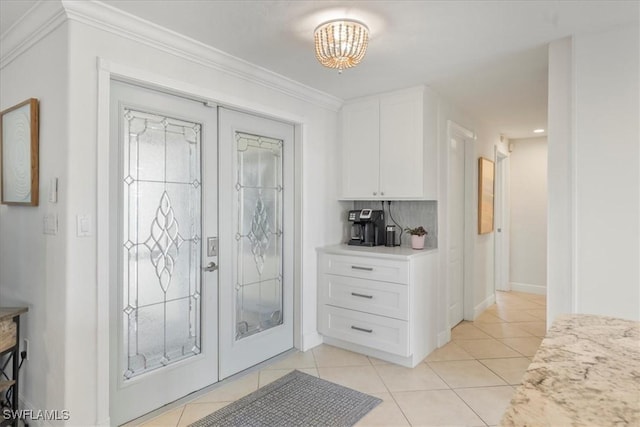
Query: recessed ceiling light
[(538, 131)]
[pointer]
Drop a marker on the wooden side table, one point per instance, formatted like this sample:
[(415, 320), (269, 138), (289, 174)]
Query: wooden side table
[(10, 345)]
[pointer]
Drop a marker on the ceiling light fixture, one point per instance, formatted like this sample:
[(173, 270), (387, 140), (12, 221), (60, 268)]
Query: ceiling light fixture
[(341, 43), (538, 131)]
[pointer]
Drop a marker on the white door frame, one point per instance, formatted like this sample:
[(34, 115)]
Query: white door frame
[(106, 71), (471, 211), (501, 247)]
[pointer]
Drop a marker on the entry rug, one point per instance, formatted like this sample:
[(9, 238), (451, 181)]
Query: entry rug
[(297, 399)]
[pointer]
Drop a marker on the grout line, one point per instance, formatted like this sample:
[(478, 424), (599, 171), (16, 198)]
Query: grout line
[(469, 406), (181, 414)]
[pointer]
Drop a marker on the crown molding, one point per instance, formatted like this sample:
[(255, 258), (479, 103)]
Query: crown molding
[(46, 15), (38, 22)]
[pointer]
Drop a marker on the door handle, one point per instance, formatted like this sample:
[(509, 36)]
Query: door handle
[(211, 267)]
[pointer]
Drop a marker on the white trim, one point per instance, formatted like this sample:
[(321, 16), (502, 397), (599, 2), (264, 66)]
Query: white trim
[(45, 16), (107, 71), (38, 22), (453, 126), (470, 225), (502, 172), (573, 173), (444, 337), (443, 225), (28, 406), (110, 19), (528, 288), (480, 308), (102, 245), (311, 340)]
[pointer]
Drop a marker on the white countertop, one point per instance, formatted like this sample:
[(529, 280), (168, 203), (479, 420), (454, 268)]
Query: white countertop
[(395, 252)]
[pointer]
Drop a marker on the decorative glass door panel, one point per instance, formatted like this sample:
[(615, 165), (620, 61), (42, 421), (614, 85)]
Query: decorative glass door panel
[(161, 240), (258, 278)]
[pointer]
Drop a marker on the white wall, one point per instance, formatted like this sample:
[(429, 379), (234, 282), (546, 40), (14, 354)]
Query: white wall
[(70, 132), (528, 222), (560, 283), (481, 282), (599, 142), (33, 269)]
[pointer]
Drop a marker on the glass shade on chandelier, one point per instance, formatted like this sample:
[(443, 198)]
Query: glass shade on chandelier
[(341, 43)]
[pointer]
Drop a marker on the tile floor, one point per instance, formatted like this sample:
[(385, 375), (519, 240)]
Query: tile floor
[(467, 382)]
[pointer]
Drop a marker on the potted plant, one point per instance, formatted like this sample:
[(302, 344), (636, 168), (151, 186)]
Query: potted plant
[(417, 236)]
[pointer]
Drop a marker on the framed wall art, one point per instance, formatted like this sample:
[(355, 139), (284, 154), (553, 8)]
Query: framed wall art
[(485, 195), (19, 154)]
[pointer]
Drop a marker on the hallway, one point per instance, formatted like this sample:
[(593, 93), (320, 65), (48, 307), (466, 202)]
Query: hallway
[(469, 381)]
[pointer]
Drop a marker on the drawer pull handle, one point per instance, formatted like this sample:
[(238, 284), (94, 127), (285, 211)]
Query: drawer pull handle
[(362, 329), (355, 294), (355, 267)]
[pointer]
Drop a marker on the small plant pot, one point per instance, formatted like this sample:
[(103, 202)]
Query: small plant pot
[(417, 242)]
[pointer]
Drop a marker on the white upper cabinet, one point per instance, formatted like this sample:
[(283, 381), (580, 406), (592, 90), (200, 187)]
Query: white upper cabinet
[(361, 156), (389, 146)]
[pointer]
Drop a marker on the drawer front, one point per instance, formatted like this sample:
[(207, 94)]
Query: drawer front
[(382, 333), (381, 298), (7, 334), (367, 268)]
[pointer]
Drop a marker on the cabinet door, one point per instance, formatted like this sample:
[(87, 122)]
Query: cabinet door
[(360, 152), (401, 145)]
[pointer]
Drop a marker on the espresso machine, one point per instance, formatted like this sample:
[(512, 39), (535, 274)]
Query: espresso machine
[(367, 227)]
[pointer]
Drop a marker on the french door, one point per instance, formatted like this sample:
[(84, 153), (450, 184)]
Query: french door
[(256, 253), (192, 304), (164, 333)]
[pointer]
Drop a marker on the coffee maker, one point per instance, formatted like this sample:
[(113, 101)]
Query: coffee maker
[(367, 227)]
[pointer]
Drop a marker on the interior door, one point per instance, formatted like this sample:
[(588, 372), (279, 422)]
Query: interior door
[(256, 253), (164, 197), (501, 255), (456, 229)]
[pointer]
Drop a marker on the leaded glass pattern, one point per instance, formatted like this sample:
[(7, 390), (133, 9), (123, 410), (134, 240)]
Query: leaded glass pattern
[(258, 245), (161, 240)]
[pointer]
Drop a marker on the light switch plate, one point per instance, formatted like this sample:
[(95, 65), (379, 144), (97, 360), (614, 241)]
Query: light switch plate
[(50, 223), (53, 190), (83, 225)]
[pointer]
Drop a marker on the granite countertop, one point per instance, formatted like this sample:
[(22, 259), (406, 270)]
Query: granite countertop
[(378, 251), (11, 312), (586, 373)]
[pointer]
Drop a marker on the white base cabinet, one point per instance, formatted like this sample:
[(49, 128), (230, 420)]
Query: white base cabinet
[(378, 301)]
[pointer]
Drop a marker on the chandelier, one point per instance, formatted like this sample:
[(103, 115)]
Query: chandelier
[(341, 43)]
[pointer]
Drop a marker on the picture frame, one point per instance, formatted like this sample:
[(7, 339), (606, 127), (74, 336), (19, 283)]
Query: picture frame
[(486, 182), (19, 157)]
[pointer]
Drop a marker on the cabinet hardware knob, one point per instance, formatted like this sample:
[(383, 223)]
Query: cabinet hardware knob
[(382, 193), (362, 329), (357, 267), (355, 294), (375, 193)]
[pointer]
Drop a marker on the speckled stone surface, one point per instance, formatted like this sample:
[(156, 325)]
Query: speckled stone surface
[(586, 373)]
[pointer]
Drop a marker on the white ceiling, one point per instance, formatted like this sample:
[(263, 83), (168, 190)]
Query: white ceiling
[(488, 57)]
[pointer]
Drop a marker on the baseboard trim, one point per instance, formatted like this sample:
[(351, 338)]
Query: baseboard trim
[(444, 337), (33, 422), (528, 288), (311, 340), (488, 302)]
